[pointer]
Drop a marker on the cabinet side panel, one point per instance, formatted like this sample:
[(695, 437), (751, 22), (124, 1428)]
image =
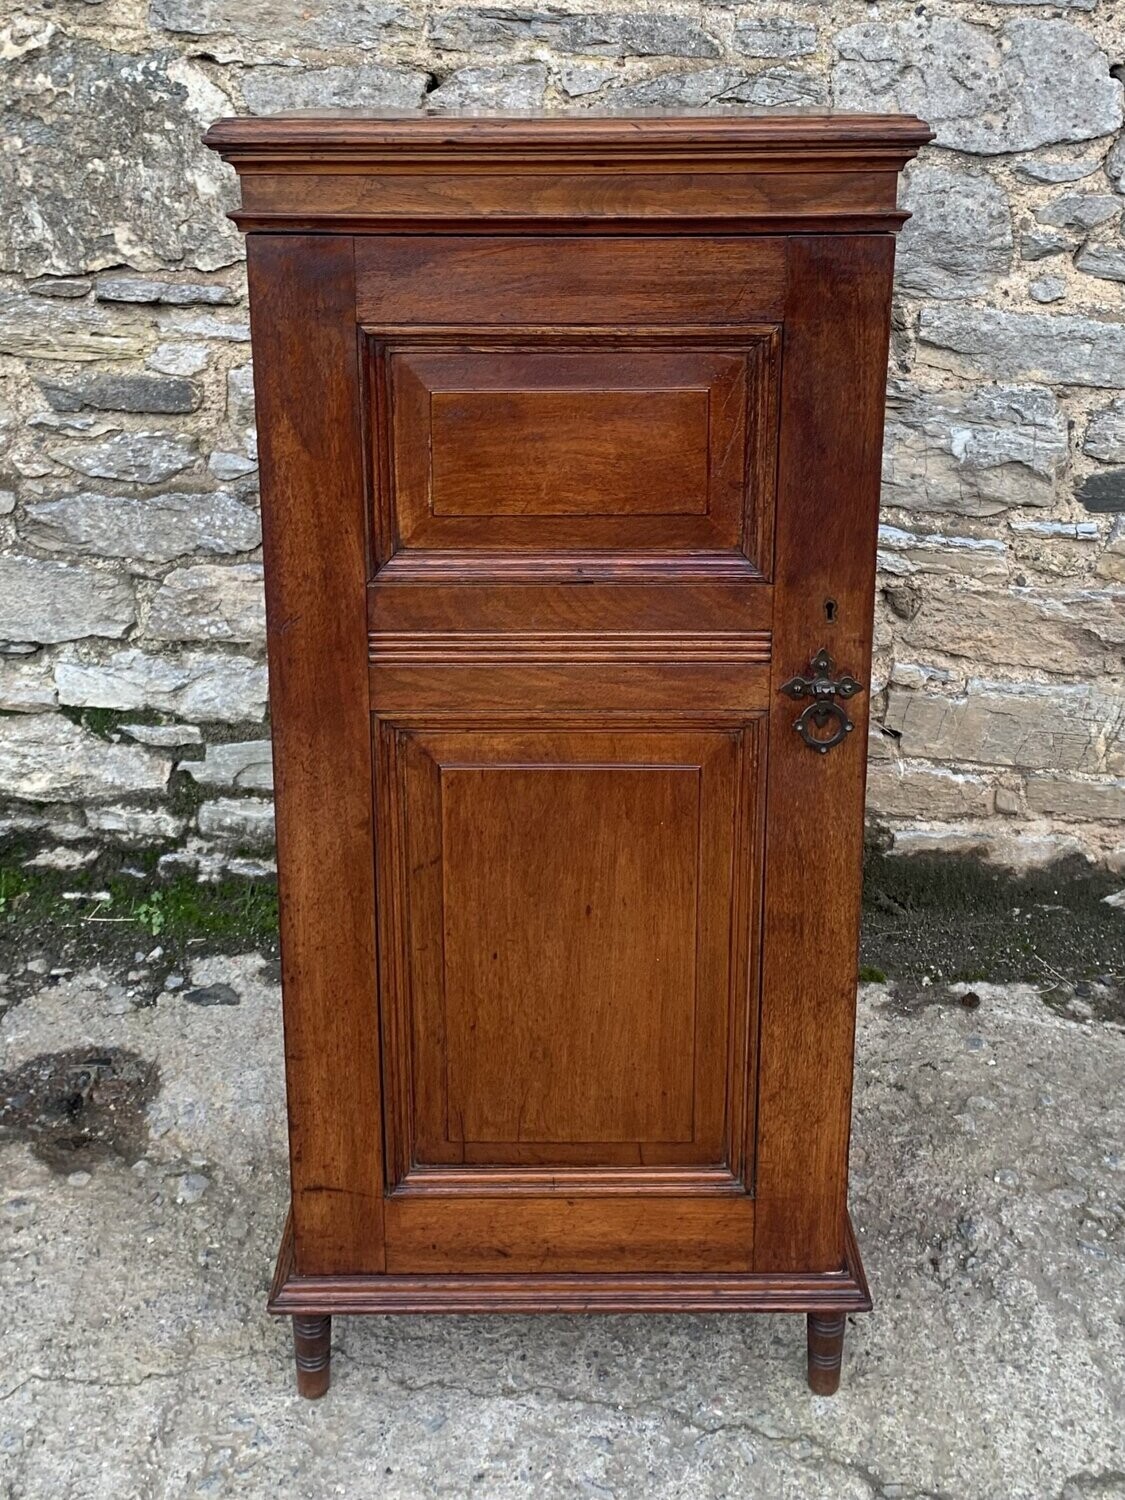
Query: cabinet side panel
[(302, 301), (833, 382)]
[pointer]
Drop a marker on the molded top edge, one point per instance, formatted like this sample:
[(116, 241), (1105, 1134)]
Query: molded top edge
[(317, 135)]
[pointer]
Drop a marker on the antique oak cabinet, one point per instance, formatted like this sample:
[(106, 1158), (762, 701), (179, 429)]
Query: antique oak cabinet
[(570, 435)]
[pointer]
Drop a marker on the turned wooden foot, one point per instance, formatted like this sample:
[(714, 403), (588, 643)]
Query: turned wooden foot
[(312, 1346), (826, 1350)]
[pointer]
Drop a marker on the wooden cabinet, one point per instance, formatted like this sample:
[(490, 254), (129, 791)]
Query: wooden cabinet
[(570, 435)]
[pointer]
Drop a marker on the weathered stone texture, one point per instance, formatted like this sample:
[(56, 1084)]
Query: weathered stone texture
[(194, 685), (959, 238), (369, 86), (26, 687), (1034, 726), (157, 529), (38, 328), (1032, 84), (343, 23), (516, 86), (245, 765), (898, 790), (134, 457), (46, 758), (903, 553), (773, 36), (151, 290), (210, 603), (129, 453), (1105, 435), (1071, 634), (105, 162), (1047, 347), (133, 393), (53, 601), (244, 821), (1070, 797), (973, 452), (1103, 261)]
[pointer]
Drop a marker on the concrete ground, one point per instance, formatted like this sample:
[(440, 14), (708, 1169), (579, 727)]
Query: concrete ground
[(138, 1360)]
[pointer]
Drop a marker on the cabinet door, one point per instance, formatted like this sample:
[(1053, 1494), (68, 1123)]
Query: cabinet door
[(569, 910)]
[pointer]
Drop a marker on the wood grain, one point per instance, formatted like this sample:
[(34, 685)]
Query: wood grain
[(554, 1292), (302, 309), (570, 461), (817, 172), (566, 282), (828, 498)]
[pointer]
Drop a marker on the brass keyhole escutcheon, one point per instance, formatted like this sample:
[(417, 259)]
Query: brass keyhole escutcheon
[(823, 712)]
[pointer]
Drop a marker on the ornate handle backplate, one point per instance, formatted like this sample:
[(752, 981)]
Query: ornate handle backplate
[(823, 713)]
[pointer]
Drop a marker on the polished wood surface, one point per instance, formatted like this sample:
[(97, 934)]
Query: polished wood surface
[(570, 437), (302, 308), (733, 168)]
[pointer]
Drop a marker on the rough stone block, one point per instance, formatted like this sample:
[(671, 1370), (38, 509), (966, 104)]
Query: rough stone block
[(360, 86), (195, 685), (1054, 170), (240, 396), (972, 452), (150, 290), (1080, 210), (245, 821), (1078, 633), (1038, 244), (179, 359), (959, 239), (628, 35), (61, 286), (1047, 347), (136, 825), (773, 36), (1111, 564), (1047, 289), (133, 393), (46, 758), (1103, 261), (1073, 799), (54, 601), (1103, 492), (1034, 83), (903, 553), (111, 141), (1033, 726), (246, 765), (158, 529), (905, 789), (210, 603), (516, 86), (31, 328), (285, 23), (26, 687), (1105, 434), (134, 457)]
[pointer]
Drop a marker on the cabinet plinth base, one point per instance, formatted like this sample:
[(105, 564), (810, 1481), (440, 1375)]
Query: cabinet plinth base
[(826, 1296)]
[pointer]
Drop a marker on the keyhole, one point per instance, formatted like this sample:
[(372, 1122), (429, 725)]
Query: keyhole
[(830, 611)]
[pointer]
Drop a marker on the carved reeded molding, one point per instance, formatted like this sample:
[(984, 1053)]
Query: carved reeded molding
[(543, 648)]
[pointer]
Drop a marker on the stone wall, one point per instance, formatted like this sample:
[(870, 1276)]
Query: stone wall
[(132, 684)]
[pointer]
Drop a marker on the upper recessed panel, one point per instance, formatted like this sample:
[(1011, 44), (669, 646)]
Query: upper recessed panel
[(575, 454)]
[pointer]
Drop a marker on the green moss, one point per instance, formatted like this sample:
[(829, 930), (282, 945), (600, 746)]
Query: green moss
[(104, 722), (869, 974)]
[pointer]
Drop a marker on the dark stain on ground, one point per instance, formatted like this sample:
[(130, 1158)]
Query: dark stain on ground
[(948, 919), (80, 1106)]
